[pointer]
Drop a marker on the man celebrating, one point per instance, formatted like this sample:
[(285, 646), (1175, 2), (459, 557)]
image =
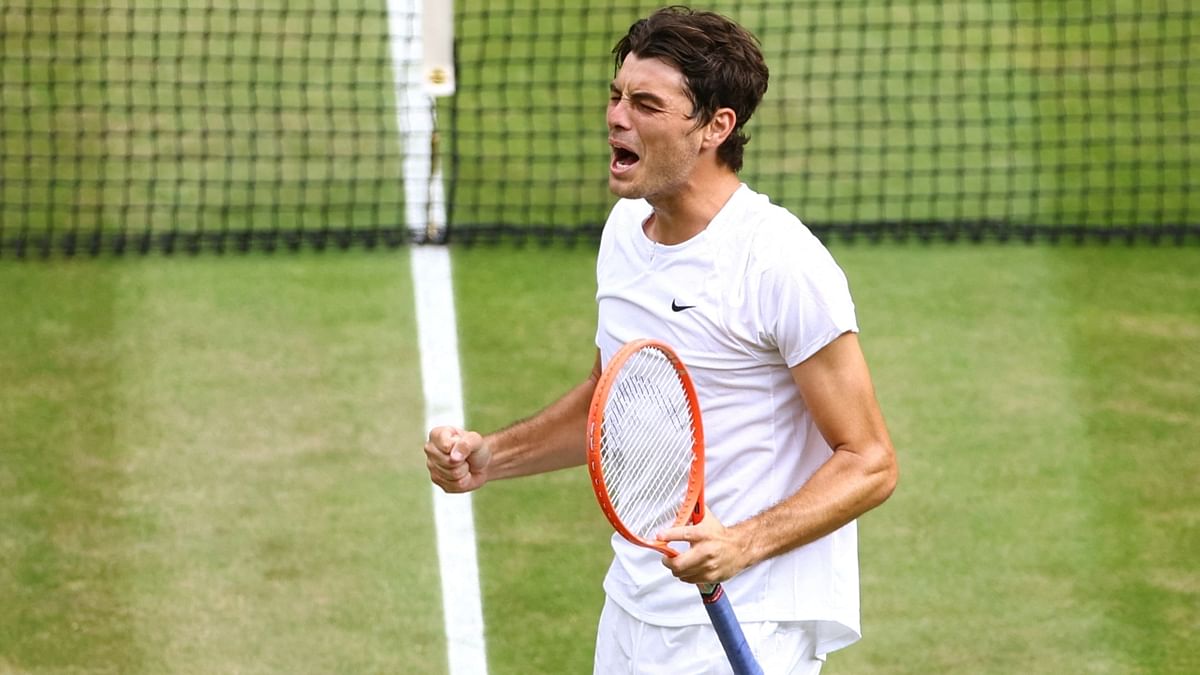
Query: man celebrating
[(796, 446)]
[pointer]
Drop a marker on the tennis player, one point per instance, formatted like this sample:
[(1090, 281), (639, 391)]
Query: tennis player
[(796, 445)]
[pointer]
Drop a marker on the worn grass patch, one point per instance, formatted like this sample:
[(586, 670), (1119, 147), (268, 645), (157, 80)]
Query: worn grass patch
[(203, 468)]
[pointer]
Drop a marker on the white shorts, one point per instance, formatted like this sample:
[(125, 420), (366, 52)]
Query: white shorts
[(627, 646)]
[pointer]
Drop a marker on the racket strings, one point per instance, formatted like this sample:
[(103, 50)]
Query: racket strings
[(647, 444)]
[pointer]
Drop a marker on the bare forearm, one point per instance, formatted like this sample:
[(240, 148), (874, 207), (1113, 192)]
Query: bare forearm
[(553, 439), (847, 486), (860, 474)]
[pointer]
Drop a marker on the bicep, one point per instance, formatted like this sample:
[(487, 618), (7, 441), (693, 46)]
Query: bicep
[(837, 389)]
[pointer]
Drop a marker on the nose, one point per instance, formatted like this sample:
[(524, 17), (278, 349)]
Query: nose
[(618, 113)]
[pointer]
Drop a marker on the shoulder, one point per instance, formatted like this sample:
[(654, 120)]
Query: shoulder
[(790, 265), (773, 237), (803, 299)]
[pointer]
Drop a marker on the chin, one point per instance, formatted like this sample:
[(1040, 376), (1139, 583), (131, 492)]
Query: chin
[(623, 189)]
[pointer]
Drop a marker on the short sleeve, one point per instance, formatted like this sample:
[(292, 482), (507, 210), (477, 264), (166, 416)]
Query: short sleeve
[(806, 299)]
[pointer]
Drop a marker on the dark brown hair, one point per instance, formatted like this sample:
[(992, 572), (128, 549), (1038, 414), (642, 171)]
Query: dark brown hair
[(720, 62)]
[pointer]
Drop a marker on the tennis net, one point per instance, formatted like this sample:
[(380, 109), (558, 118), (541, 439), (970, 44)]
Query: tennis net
[(226, 125)]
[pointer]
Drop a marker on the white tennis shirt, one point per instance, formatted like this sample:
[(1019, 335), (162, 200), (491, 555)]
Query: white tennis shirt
[(750, 296)]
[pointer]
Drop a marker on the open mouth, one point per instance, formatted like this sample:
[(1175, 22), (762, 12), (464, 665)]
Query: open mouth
[(623, 159)]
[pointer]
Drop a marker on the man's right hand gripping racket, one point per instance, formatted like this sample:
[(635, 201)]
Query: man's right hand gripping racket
[(646, 459)]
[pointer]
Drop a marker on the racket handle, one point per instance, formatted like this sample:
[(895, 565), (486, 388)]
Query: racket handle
[(729, 630)]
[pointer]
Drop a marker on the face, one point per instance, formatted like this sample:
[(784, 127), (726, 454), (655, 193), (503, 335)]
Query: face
[(655, 146)]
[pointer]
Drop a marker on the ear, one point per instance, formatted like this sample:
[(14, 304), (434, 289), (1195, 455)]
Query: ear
[(719, 128)]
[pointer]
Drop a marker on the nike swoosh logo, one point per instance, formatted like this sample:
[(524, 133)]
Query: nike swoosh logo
[(676, 307)]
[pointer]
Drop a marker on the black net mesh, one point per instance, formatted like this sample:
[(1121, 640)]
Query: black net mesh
[(237, 125)]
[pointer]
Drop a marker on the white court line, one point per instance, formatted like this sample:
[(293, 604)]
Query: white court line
[(437, 334)]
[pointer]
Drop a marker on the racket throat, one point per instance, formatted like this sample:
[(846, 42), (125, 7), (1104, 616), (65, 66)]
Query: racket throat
[(711, 593)]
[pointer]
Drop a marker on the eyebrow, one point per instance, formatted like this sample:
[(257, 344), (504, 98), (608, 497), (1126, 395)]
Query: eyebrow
[(640, 96)]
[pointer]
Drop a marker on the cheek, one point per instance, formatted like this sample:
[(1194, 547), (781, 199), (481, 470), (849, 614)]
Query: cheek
[(677, 150), (664, 141)]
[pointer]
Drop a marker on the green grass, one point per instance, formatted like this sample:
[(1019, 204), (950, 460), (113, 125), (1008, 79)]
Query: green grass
[(1042, 403), (213, 464), (1040, 400), (527, 329), (200, 470)]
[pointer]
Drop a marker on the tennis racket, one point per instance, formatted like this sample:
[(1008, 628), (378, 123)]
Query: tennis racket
[(646, 460)]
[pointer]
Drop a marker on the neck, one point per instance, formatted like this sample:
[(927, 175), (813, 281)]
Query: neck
[(686, 213)]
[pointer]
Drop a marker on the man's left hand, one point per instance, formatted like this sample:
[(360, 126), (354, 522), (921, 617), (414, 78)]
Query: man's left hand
[(715, 553)]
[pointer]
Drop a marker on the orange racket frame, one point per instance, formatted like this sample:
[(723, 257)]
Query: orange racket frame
[(691, 510)]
